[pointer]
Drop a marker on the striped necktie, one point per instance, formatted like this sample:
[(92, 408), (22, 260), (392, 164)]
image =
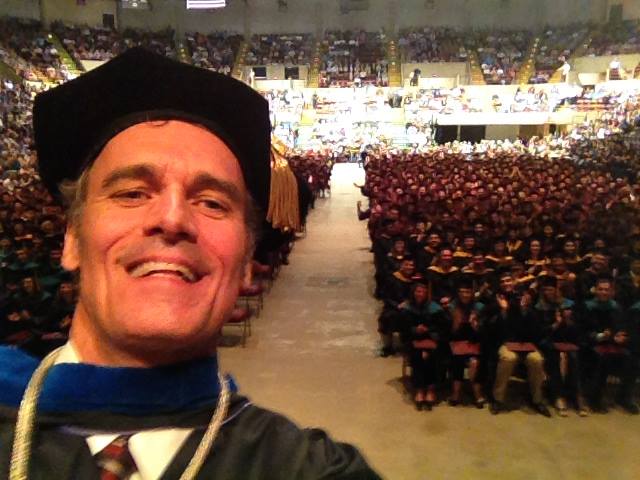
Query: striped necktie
[(115, 461)]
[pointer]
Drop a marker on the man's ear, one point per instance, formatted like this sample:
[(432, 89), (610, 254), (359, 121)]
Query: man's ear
[(71, 250), (247, 275)]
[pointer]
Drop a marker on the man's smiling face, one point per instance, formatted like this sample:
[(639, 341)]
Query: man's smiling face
[(161, 243)]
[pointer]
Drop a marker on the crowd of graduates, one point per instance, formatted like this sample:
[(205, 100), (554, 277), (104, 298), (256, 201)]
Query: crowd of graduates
[(37, 296), (484, 261), (315, 169)]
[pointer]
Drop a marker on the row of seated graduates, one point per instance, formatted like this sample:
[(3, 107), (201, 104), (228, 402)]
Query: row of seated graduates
[(576, 225), (37, 296), (450, 318)]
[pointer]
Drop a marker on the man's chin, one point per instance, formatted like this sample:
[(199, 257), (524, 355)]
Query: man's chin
[(165, 346), (177, 320)]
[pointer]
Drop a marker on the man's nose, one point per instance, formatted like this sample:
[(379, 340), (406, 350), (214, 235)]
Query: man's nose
[(171, 217)]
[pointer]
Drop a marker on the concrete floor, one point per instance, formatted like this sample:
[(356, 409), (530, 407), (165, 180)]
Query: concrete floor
[(312, 357)]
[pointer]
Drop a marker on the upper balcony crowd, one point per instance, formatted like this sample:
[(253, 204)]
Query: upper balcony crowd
[(345, 58)]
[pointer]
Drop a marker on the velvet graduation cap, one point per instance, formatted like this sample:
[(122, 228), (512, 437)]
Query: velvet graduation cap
[(74, 121)]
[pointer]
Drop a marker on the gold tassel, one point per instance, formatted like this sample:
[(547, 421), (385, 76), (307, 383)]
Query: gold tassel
[(284, 208)]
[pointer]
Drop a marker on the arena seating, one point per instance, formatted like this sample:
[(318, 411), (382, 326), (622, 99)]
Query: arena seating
[(91, 43), (427, 45), (215, 51), (500, 53), (28, 49), (614, 39), (288, 49), (353, 57), (556, 46)]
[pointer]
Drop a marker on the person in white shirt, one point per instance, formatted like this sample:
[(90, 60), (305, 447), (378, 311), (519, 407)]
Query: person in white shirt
[(615, 64), (565, 69)]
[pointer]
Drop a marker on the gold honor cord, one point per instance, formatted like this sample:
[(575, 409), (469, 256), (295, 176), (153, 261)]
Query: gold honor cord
[(26, 419), (25, 423)]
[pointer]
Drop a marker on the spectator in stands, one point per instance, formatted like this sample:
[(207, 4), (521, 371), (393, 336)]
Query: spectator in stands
[(216, 51), (352, 56), (96, 43)]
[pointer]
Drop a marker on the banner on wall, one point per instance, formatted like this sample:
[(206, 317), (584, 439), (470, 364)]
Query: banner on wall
[(205, 4)]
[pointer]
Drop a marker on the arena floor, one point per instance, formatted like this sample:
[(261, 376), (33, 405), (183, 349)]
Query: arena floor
[(312, 356)]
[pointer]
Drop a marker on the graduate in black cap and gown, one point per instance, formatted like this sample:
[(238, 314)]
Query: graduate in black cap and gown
[(164, 166)]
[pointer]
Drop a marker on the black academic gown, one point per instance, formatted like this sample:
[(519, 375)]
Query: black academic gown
[(253, 443)]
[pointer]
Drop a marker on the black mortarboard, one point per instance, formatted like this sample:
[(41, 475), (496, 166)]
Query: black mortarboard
[(548, 281), (604, 278), (74, 121), (464, 282)]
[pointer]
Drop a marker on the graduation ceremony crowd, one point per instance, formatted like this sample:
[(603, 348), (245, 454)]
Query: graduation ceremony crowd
[(485, 259), (510, 258), (37, 297)]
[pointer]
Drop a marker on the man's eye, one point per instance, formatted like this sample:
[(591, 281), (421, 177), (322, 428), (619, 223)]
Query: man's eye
[(130, 195), (213, 205)]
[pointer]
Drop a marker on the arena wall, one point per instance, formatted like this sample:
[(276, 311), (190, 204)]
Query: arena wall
[(21, 8), (314, 16), (166, 13), (601, 64), (631, 9), (276, 73), (500, 13), (454, 70), (502, 132), (70, 12)]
